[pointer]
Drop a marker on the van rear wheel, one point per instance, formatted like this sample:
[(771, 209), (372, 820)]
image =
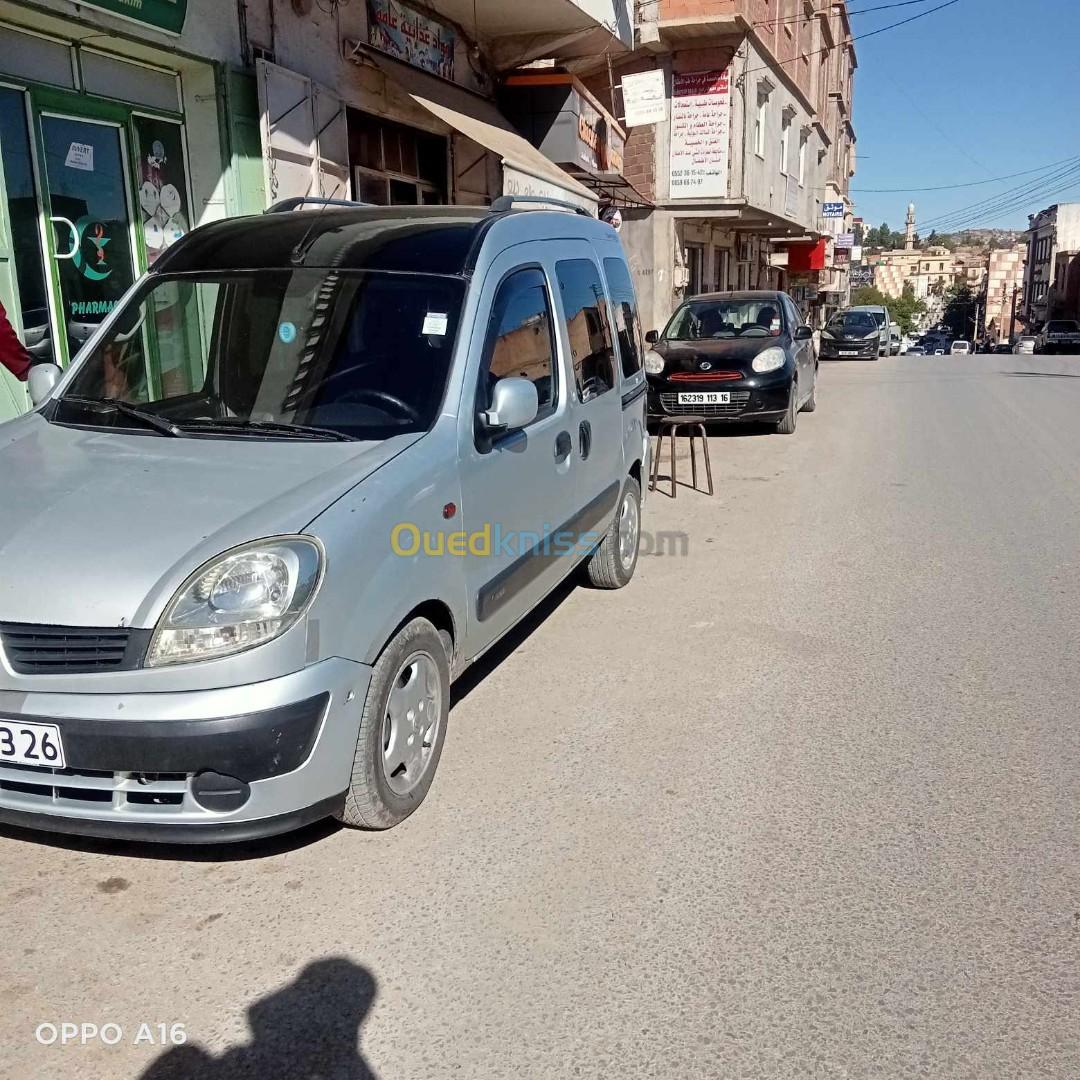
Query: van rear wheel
[(612, 564), (402, 729)]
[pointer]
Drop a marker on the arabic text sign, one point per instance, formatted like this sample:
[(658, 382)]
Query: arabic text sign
[(700, 133), (845, 240), (832, 210), (644, 99), (407, 35)]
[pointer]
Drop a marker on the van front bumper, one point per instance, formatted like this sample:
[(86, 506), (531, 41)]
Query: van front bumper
[(201, 766)]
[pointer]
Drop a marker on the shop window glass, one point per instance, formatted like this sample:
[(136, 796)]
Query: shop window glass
[(164, 205), (22, 215), (395, 164), (585, 310)]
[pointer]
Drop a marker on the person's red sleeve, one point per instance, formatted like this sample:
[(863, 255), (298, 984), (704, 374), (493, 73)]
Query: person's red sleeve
[(13, 354)]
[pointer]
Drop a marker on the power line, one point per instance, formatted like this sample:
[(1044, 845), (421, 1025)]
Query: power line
[(954, 187), (825, 10), (1005, 202)]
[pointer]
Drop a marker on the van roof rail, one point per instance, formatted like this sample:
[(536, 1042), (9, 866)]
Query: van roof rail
[(301, 200), (505, 203)]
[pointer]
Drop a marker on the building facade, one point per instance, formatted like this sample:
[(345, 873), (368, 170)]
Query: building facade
[(746, 136), (1051, 233), (1004, 288)]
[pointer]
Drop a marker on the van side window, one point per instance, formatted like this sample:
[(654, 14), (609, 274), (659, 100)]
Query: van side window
[(631, 344), (520, 340), (587, 326)]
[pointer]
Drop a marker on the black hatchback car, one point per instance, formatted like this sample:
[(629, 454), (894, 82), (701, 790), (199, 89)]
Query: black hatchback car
[(851, 335), (738, 356)]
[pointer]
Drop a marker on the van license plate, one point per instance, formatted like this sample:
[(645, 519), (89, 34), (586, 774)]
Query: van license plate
[(710, 398), (31, 744)]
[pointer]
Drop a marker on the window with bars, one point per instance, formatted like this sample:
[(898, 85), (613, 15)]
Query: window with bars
[(395, 165)]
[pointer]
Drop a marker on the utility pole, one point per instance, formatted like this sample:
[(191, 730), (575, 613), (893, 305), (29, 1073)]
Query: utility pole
[(1012, 321)]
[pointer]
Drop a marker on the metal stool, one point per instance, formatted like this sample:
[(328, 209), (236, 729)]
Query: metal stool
[(671, 425)]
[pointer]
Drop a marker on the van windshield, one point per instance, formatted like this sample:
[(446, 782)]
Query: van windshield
[(311, 352)]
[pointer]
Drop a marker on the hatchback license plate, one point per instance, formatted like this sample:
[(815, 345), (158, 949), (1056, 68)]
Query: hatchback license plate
[(849, 352), (31, 744), (714, 397)]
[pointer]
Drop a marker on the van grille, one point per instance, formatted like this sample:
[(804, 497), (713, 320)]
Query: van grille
[(72, 650), (25, 788)]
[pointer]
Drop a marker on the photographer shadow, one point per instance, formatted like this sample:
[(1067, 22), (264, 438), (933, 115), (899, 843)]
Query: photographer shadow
[(308, 1030)]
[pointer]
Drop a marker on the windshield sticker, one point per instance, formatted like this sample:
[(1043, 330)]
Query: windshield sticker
[(435, 323), (287, 332)]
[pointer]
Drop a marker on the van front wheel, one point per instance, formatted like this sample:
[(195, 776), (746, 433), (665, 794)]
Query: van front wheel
[(402, 729)]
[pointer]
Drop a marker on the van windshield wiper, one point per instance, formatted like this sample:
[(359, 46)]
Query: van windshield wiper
[(237, 425), (149, 419)]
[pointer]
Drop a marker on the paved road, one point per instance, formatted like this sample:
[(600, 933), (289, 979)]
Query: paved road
[(802, 803)]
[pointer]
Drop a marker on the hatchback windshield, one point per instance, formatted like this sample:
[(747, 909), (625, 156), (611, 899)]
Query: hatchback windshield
[(725, 319), (858, 323), (311, 352), (1062, 326)]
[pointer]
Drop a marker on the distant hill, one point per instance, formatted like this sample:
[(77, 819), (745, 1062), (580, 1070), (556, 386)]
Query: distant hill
[(974, 238)]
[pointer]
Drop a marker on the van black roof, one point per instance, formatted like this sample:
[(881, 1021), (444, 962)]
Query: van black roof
[(432, 240)]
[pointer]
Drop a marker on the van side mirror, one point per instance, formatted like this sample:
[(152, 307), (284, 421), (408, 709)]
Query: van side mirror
[(804, 333), (652, 337), (42, 381), (514, 403)]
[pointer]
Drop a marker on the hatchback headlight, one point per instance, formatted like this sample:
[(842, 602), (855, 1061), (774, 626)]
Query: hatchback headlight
[(826, 334), (242, 598), (654, 362), (769, 360), (875, 334)]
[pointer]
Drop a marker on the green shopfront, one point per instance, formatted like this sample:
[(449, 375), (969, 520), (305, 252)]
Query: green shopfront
[(112, 146)]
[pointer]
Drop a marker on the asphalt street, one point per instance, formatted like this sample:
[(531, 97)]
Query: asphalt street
[(802, 802)]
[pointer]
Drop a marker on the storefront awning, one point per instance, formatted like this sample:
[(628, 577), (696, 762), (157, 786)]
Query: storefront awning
[(526, 170)]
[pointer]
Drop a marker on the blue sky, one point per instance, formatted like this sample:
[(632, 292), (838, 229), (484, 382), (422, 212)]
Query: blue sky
[(979, 90)]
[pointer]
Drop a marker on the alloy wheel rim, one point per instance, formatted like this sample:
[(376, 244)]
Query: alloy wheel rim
[(411, 723), (629, 524)]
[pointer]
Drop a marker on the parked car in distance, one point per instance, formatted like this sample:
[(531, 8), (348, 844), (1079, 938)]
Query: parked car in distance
[(1025, 345), (884, 321), (1059, 336), (307, 458), (743, 357), (1002, 348), (960, 348), (896, 341), (851, 335), (916, 350)]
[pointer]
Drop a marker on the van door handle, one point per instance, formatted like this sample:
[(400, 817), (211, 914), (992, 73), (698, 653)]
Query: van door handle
[(584, 439), (564, 446)]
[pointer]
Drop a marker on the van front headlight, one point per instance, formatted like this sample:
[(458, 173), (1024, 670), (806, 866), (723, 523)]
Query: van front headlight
[(239, 599)]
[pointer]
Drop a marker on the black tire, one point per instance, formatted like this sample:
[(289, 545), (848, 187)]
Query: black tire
[(810, 405), (370, 803), (787, 425), (607, 568)]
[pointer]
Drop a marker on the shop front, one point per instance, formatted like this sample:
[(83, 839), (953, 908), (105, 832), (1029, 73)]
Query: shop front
[(95, 171)]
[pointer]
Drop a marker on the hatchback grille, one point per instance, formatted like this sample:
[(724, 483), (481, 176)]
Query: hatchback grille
[(71, 650), (739, 400)]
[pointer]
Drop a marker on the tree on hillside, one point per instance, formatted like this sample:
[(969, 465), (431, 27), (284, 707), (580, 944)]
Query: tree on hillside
[(868, 296), (959, 314), (904, 310)]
